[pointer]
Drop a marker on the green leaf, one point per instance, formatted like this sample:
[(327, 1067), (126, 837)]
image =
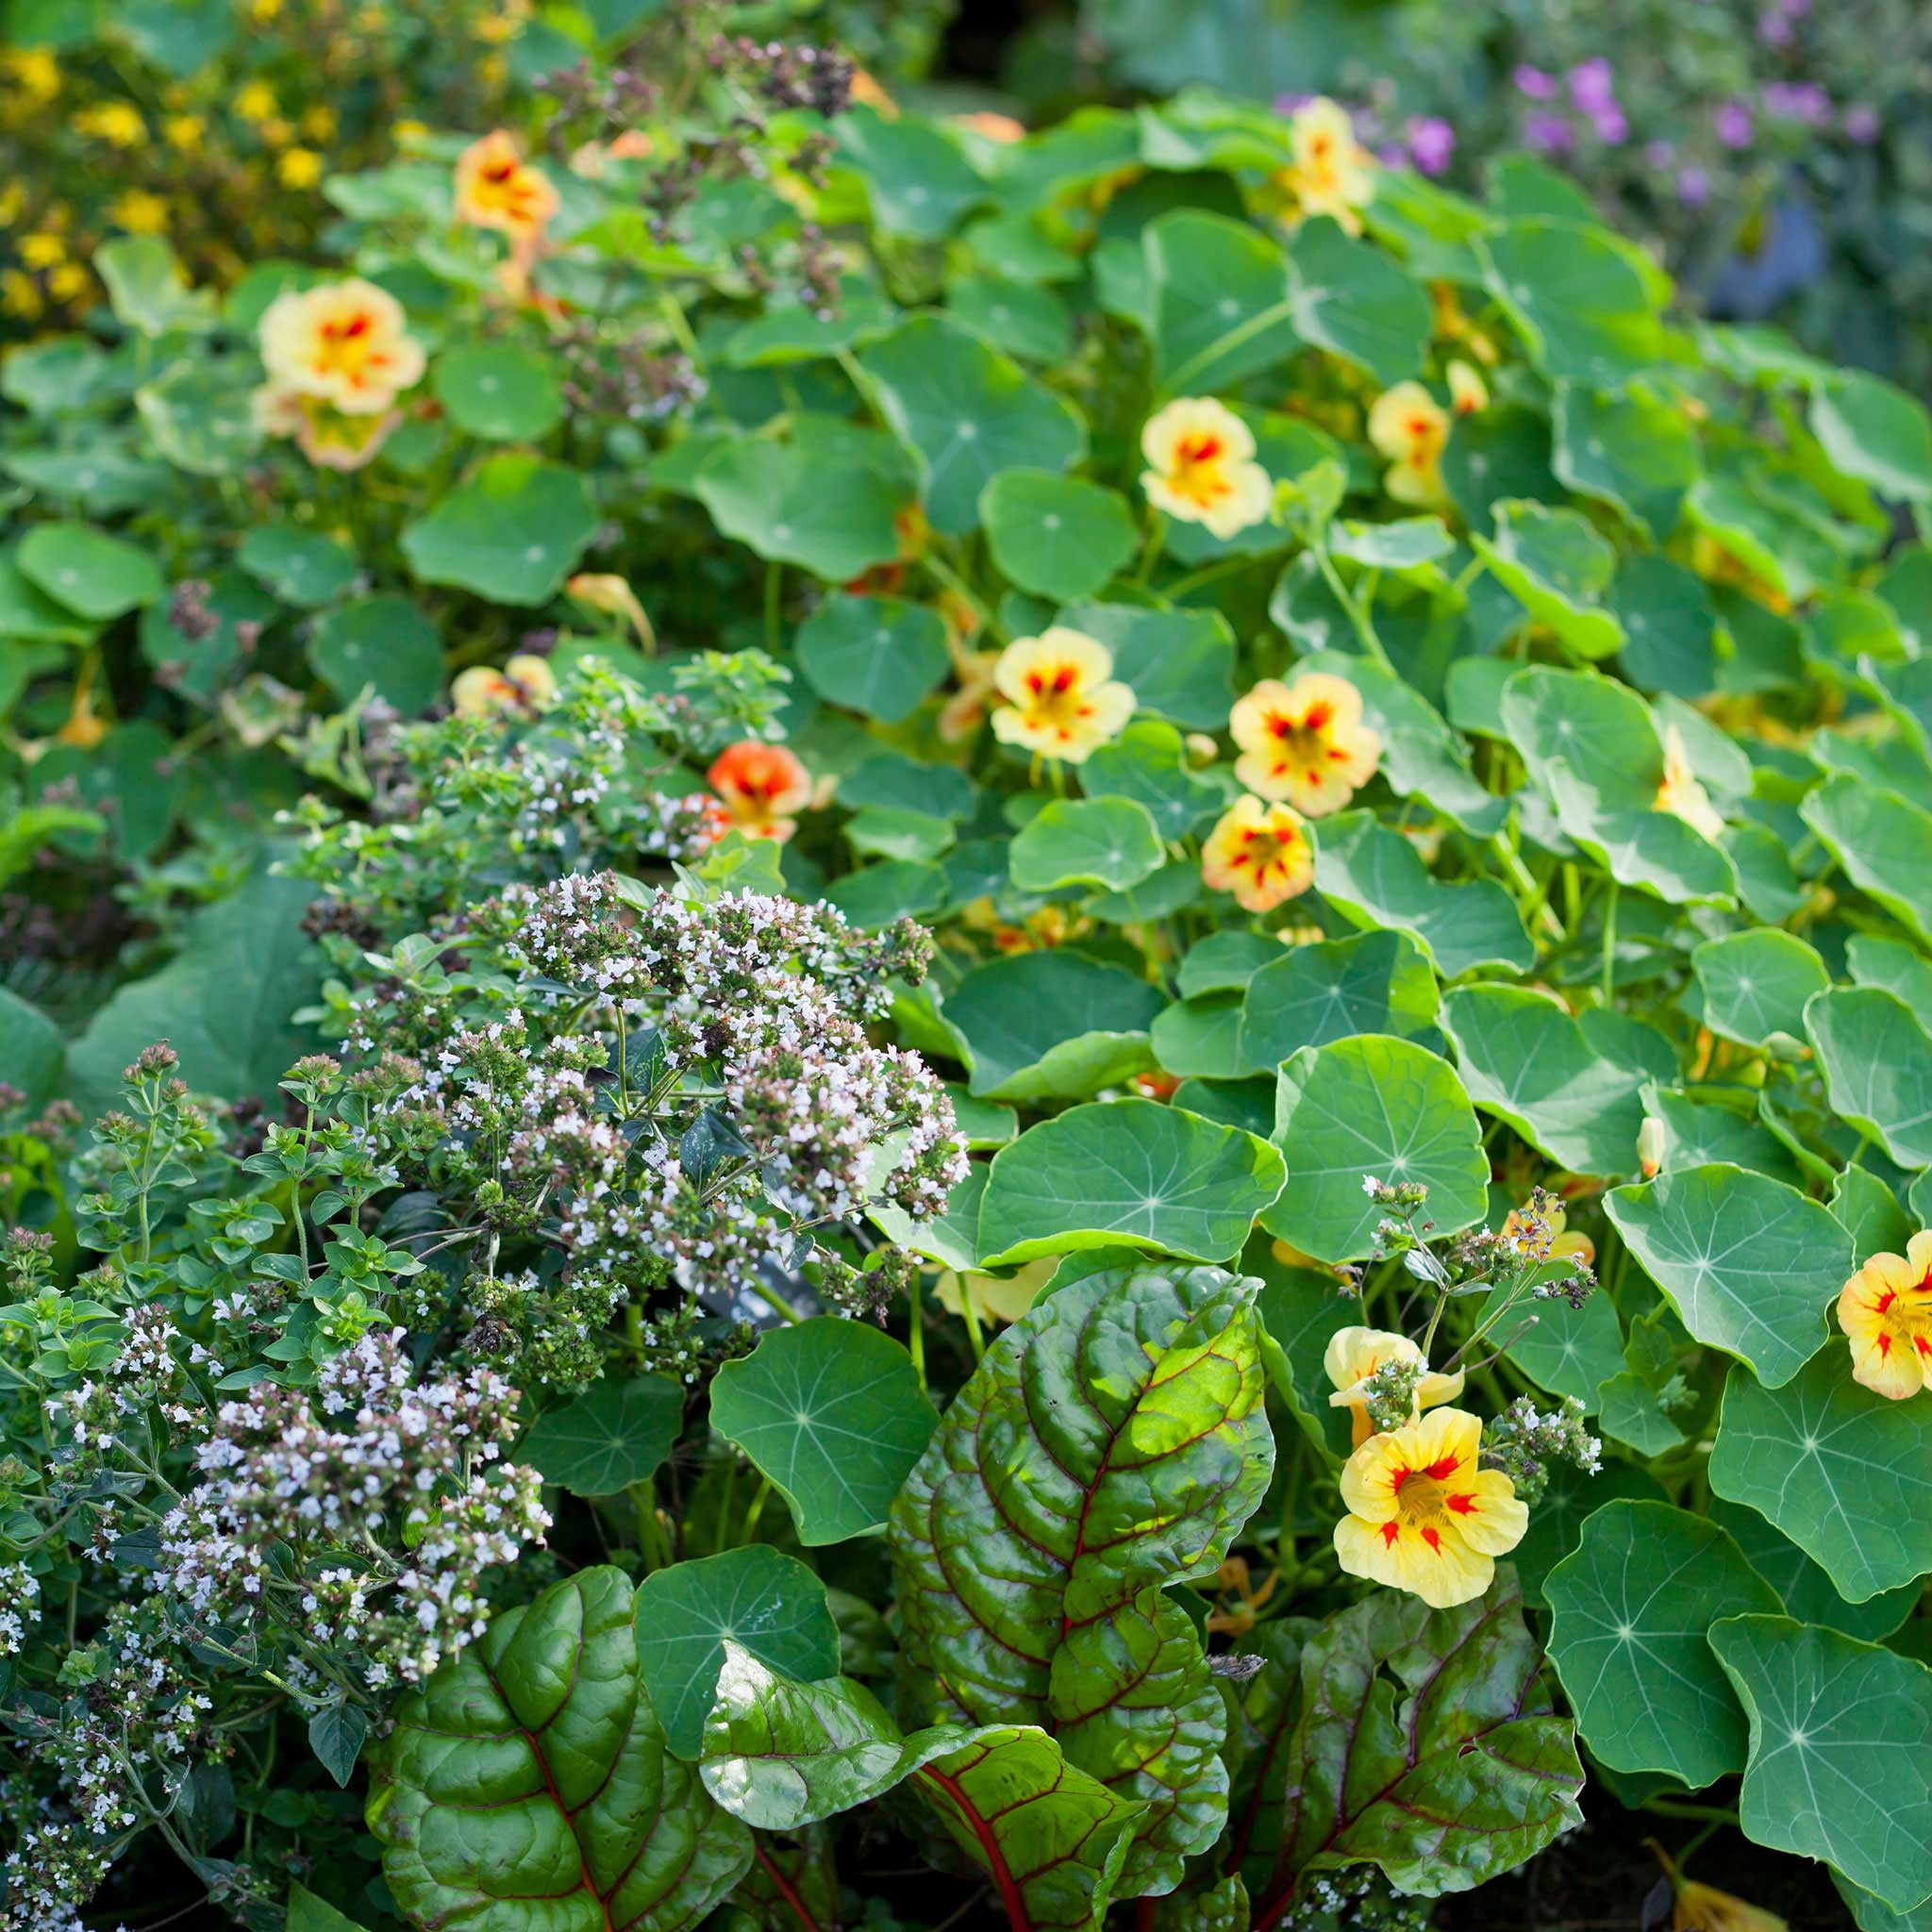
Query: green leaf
[(1632, 450), (1018, 318), (1581, 307), (511, 532), (1835, 1725), (778, 499), (335, 1735), (31, 1048), (877, 654), (1110, 1443), (1107, 842), (918, 180), (1878, 1062), (1870, 1213), (1127, 1172), (1523, 1058), (1149, 764), (782, 1755), (757, 1598), (1376, 982), (1428, 1744), (1380, 1106), (222, 1001), (382, 640), (1877, 432), (301, 567), (498, 392), (1056, 536), (1876, 836), (1377, 878), (1630, 1607), (1803, 1589), (1350, 298), (1046, 1022), (533, 1768), (1748, 1263), (99, 576), (1670, 626), (1178, 663), (308, 1913), (1556, 566), (1221, 302), (1555, 1523), (791, 332), (876, 895), (970, 413), (1845, 1474), (147, 289), (833, 1412), (618, 1432), (1568, 1351), (1755, 984)]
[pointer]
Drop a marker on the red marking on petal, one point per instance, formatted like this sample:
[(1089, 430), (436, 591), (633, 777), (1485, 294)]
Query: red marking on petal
[(1463, 1505), (1390, 1532), (1885, 1344), (1434, 1539), (1444, 1469)]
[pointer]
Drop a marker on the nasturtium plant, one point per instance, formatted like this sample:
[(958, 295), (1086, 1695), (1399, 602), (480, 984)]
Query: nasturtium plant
[(902, 1009)]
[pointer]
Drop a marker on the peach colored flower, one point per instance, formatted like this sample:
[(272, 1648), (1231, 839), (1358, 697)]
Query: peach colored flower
[(345, 344), (526, 683), (762, 787), (1304, 742), (1260, 853), (1063, 698), (1411, 428), (1333, 174), (495, 188), (1353, 1354), (1201, 467)]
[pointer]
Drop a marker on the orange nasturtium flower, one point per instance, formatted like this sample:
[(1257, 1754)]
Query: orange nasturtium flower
[(1260, 853), (1201, 467), (495, 188), (1679, 792), (345, 344), (1411, 428), (1885, 1311), (1422, 1517), (1063, 698), (1333, 174), (1304, 742), (1353, 1354), (523, 684), (762, 786)]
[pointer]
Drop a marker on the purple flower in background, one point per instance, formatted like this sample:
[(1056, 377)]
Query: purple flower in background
[(1861, 123), (1660, 154), (1693, 188), (1289, 104), (1534, 84), (1774, 28), (1548, 134), (1432, 142), (1592, 86), (1392, 154), (1803, 100), (1609, 123), (1733, 125)]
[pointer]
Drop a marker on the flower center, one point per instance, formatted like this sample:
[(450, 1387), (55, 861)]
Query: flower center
[(1055, 697)]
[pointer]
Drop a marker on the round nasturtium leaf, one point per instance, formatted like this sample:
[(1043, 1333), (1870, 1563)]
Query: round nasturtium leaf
[(1217, 297), (756, 1597), (301, 567), (1841, 1471), (1568, 1351), (1880, 839), (1839, 1766), (89, 572), (1584, 311), (791, 505), (877, 654), (1749, 1264), (1056, 536), (1633, 450), (1875, 431), (1110, 842), (382, 640), (1755, 984), (1878, 1062), (1024, 1019), (1148, 763), (498, 392), (1630, 1607), (1376, 982), (1805, 1592), (1572, 1497), (1378, 1107), (614, 1434), (833, 1412), (1127, 1173), (1557, 567), (511, 532)]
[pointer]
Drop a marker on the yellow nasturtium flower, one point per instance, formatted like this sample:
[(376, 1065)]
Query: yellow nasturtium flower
[(1885, 1311), (1421, 1516), (1333, 174), (1679, 792), (1562, 1241), (1201, 467), (495, 188), (300, 167), (141, 212), (1304, 742), (117, 122), (1260, 853), (256, 100), (345, 343), (1411, 428), (1353, 1354), (1063, 698), (1469, 394), (524, 683), (34, 71)]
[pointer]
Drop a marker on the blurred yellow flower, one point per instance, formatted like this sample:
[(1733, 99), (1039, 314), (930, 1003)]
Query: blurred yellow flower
[(20, 295), (1333, 174), (1411, 428), (346, 343), (256, 101), (114, 122), (69, 281), (526, 683), (301, 167), (319, 123), (1062, 697), (1561, 1241), (184, 131), (1421, 1516), (1680, 793), (1201, 467), (1303, 742), (35, 72), (1260, 853), (1469, 394), (1353, 1354), (42, 250), (495, 188), (611, 596), (141, 212)]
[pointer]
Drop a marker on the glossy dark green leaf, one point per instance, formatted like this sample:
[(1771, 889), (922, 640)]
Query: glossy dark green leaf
[(1111, 1444), (615, 1434), (1876, 835)]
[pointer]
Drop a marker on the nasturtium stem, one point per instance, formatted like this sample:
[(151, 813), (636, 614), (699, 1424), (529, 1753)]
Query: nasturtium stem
[(1610, 943)]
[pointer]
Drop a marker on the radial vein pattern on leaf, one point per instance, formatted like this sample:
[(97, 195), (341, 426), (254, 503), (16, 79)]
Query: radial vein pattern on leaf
[(531, 1774), (1110, 1443)]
